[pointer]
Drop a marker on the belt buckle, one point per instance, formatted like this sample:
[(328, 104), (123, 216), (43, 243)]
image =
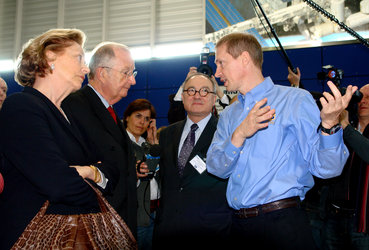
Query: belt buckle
[(251, 212)]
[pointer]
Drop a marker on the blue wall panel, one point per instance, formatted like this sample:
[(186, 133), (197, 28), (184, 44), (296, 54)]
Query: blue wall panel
[(132, 95), (158, 78), (159, 98), (141, 78), (352, 59), (308, 60), (169, 73)]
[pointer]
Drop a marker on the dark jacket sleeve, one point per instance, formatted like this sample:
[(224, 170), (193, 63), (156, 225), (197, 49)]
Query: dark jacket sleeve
[(358, 142), (82, 117), (29, 133)]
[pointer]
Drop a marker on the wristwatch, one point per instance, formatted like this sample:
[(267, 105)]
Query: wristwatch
[(330, 131)]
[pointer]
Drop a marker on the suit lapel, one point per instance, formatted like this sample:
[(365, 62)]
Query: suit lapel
[(53, 109), (103, 113), (206, 136), (117, 130), (177, 133), (201, 146)]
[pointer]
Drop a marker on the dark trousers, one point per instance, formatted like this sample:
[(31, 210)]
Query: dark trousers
[(281, 229), (340, 233)]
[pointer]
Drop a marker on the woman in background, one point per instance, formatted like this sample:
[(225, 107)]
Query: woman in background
[(139, 120), (40, 147)]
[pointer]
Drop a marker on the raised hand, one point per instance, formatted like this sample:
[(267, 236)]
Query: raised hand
[(333, 105), (257, 119), (151, 132)]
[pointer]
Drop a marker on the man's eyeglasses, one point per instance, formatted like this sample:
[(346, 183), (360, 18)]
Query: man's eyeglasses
[(126, 74), (202, 92)]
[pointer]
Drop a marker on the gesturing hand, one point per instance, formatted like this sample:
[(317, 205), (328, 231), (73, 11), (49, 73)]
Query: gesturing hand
[(254, 121), (332, 106)]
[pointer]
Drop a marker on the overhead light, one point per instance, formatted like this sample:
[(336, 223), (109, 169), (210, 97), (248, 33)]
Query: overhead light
[(7, 65), (177, 49), (140, 53)]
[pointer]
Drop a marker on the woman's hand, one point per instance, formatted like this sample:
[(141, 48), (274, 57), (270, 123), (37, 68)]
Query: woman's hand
[(144, 169), (151, 132), (88, 172)]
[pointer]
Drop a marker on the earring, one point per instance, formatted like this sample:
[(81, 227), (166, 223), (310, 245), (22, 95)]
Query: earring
[(52, 66)]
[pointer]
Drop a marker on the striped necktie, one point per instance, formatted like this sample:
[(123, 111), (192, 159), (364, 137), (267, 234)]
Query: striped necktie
[(187, 149)]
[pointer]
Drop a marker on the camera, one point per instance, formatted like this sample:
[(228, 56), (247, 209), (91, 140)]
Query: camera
[(204, 62), (332, 74), (151, 155), (335, 75)]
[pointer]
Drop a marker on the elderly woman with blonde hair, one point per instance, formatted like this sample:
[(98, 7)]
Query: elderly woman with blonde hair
[(42, 153)]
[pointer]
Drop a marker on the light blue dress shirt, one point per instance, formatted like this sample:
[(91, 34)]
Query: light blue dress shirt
[(276, 162)]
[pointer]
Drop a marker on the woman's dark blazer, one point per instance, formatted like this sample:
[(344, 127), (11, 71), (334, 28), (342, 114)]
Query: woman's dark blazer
[(38, 146)]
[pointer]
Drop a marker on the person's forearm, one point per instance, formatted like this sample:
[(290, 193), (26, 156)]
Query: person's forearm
[(358, 142)]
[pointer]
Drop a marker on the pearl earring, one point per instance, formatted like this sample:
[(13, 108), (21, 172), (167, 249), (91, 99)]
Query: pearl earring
[(52, 66)]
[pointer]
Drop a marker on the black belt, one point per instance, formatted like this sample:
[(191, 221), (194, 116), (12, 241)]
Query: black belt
[(267, 208)]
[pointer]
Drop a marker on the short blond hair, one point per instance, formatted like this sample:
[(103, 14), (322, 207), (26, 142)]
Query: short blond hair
[(237, 43)]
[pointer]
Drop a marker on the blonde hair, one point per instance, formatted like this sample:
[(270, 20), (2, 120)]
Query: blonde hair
[(239, 42), (32, 61)]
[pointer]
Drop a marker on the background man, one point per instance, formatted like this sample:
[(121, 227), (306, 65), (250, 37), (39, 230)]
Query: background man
[(193, 208), (268, 145), (111, 75), (3, 90), (347, 204)]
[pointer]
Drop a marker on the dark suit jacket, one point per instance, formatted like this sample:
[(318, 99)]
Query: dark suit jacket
[(193, 206), (37, 146), (113, 147), (346, 190)]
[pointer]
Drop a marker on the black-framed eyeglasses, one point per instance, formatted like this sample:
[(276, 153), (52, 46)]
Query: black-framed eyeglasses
[(126, 74), (202, 92)]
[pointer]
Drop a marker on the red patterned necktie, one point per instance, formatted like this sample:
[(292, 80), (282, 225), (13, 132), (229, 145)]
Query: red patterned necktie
[(112, 113)]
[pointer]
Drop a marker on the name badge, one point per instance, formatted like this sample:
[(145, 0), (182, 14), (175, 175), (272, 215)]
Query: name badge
[(198, 164)]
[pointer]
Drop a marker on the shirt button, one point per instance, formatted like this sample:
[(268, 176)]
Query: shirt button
[(238, 176), (226, 165), (241, 152), (234, 152), (344, 152), (247, 108), (235, 198)]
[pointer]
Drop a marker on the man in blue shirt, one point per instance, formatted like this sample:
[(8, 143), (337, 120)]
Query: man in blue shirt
[(268, 144)]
